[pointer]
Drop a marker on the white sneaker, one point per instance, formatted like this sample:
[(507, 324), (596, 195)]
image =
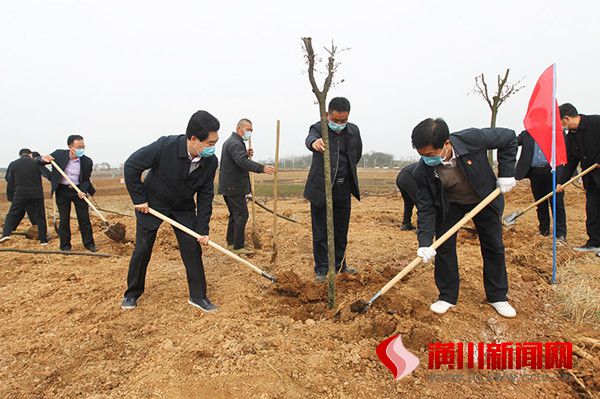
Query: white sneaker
[(440, 307), (4, 238), (504, 309)]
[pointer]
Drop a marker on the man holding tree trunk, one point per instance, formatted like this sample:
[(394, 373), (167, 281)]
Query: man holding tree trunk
[(453, 176), (345, 147)]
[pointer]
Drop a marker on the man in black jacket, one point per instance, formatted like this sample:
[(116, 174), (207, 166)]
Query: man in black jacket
[(24, 189), (583, 147), (78, 167), (408, 189), (453, 176), (534, 165), (345, 147), (179, 168), (234, 183)]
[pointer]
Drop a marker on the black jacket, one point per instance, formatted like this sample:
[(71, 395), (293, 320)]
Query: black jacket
[(10, 185), (470, 147), (314, 190), (527, 144), (24, 179), (61, 157), (168, 186), (406, 181), (235, 165), (583, 146)]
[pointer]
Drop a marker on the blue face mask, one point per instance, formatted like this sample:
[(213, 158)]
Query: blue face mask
[(79, 152), (336, 127), (208, 152), (432, 161), (247, 135)]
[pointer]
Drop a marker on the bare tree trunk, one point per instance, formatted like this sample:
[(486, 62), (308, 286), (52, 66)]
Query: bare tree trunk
[(492, 124)]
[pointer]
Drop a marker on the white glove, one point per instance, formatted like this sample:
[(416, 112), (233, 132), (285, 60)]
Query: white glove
[(506, 184), (427, 253)]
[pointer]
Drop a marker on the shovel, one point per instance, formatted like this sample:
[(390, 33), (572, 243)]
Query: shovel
[(511, 219), (212, 244), (361, 306), (115, 232)]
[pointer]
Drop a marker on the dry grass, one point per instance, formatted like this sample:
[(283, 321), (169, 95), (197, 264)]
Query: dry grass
[(578, 291)]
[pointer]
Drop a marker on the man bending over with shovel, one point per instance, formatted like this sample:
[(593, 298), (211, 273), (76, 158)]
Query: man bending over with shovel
[(453, 176), (179, 167)]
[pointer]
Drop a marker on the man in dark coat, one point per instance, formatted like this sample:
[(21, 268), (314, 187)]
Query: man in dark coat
[(533, 165), (345, 147), (234, 183), (25, 191), (453, 176), (408, 189), (583, 147), (179, 169), (78, 167)]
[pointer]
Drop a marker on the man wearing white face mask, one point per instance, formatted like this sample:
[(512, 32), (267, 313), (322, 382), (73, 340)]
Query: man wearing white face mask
[(234, 183), (180, 168), (453, 176), (78, 167)]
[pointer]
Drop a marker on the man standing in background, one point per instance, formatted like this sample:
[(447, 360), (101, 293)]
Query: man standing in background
[(234, 183), (408, 189), (78, 167)]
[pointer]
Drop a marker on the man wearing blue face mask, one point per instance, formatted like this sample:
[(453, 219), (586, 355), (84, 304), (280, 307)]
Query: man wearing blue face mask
[(345, 146), (454, 175), (78, 167), (234, 183), (179, 168)]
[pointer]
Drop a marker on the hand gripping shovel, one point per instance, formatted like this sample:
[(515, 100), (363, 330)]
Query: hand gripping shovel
[(511, 219), (361, 306), (115, 232), (212, 244)]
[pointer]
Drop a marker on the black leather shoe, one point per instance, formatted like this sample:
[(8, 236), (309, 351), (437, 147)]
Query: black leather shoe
[(92, 248), (203, 304), (65, 248), (407, 227), (129, 303)]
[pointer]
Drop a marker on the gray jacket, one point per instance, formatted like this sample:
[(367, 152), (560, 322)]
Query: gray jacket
[(235, 165)]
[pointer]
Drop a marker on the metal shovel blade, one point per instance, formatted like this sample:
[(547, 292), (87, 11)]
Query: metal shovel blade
[(511, 219), (116, 232)]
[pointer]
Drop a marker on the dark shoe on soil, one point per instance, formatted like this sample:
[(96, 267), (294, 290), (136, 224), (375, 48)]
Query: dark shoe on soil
[(92, 248), (66, 248), (129, 303), (203, 304), (407, 227)]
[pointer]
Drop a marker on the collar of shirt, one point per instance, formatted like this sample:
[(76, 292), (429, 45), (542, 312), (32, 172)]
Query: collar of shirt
[(195, 159), (451, 161)]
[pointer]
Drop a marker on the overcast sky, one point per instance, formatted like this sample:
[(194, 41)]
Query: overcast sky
[(123, 73)]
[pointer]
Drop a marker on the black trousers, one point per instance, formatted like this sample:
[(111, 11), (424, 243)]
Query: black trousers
[(489, 229), (341, 221), (408, 207), (66, 195), (34, 208), (238, 217), (190, 251), (541, 184), (592, 215)]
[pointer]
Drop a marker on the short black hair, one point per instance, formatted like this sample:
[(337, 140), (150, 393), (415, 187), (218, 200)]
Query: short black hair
[(339, 104), (72, 138), (200, 124), (24, 151), (36, 154), (567, 109), (432, 132)]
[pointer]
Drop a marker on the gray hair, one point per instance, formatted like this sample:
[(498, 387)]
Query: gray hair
[(243, 123)]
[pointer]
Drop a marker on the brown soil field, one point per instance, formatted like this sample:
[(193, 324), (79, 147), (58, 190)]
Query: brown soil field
[(63, 333)]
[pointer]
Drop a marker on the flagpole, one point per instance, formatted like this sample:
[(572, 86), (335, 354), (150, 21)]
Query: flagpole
[(553, 164)]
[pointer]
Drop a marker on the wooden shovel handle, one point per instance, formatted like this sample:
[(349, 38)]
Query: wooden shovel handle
[(573, 179), (407, 269), (78, 190), (212, 244)]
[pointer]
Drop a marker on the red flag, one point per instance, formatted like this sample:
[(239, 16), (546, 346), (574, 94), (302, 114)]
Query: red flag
[(538, 120)]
